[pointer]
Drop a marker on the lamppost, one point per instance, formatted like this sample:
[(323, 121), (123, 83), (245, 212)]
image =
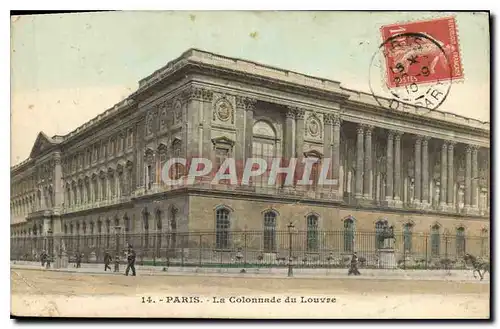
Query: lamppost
[(290, 269)]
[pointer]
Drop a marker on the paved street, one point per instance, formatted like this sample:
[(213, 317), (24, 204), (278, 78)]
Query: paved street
[(57, 293)]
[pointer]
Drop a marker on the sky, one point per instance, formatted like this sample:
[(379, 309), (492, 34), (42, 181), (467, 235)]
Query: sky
[(68, 68)]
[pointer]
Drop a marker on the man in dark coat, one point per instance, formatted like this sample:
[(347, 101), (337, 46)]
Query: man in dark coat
[(107, 261), (47, 260), (353, 269), (43, 257), (78, 259), (130, 261)]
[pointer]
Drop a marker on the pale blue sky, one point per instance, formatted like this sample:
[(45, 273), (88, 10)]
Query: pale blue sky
[(68, 68)]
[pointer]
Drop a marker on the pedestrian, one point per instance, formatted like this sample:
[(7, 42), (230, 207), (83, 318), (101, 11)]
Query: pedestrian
[(353, 269), (130, 261), (107, 261), (43, 257), (47, 260), (78, 259)]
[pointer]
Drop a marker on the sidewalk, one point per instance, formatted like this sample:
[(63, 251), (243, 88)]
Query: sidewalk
[(396, 274)]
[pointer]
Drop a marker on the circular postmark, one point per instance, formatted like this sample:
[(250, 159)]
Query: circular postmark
[(410, 70)]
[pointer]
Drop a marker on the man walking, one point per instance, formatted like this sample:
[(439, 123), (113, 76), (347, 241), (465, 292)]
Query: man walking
[(43, 257), (353, 269), (130, 261), (78, 259), (107, 261)]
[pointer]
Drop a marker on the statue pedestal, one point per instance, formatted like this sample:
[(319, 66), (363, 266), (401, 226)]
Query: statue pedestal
[(387, 257), (92, 257), (61, 260)]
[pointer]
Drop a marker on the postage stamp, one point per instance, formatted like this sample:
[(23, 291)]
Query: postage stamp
[(421, 52)]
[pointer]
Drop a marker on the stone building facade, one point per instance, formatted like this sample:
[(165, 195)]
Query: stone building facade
[(420, 172)]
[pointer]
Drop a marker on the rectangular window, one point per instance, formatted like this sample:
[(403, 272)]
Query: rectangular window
[(149, 176), (221, 154)]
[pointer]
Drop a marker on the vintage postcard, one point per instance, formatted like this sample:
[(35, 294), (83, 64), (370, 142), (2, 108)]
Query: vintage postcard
[(251, 164)]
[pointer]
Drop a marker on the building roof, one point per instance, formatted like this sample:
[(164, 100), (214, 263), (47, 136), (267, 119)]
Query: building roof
[(247, 67)]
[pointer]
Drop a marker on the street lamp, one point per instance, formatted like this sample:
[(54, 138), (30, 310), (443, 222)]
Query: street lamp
[(290, 269)]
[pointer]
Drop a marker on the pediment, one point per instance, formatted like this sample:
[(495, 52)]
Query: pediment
[(223, 140), (313, 154), (42, 143)]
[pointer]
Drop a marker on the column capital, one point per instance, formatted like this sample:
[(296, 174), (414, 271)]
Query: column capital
[(328, 118), (299, 112), (360, 129), (468, 148), (451, 144), (332, 118), (290, 113), (396, 132), (247, 103), (425, 140), (368, 128)]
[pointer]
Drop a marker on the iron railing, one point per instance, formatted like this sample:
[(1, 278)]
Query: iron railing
[(270, 248)]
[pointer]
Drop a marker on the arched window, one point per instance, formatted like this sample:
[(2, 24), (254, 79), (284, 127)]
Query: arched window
[(435, 241), (407, 236), (312, 233), (270, 231), (108, 232), (173, 227), (379, 229), (460, 241), (126, 222), (178, 168), (145, 223), (484, 242), (263, 147), (348, 235), (158, 231), (222, 228), (158, 220)]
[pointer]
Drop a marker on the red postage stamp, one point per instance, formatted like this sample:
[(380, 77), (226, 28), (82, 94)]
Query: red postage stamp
[(421, 52)]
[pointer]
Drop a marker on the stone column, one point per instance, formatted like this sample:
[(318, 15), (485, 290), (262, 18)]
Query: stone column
[(78, 193), (328, 143), (58, 183), (418, 170), (425, 171), (299, 142), (468, 172), (125, 182), (389, 193), (368, 164), (359, 163), (397, 169), (475, 178), (444, 178), (288, 151), (451, 173), (336, 151), (249, 108), (42, 198), (207, 97), (299, 133)]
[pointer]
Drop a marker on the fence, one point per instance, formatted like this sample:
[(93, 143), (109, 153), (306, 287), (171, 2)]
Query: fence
[(269, 248)]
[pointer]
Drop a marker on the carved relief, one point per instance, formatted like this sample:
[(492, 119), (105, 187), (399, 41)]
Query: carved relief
[(223, 110), (314, 126), (177, 111), (163, 116)]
